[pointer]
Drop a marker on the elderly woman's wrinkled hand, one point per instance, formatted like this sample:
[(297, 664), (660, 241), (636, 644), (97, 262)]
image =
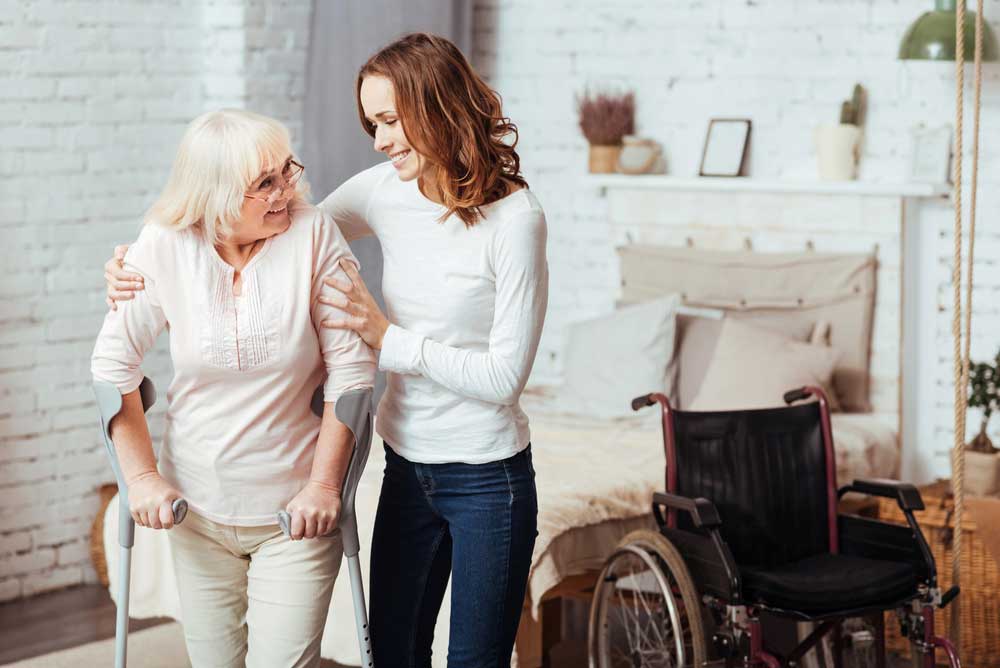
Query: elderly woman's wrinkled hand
[(315, 510), (121, 284), (363, 314), (150, 501)]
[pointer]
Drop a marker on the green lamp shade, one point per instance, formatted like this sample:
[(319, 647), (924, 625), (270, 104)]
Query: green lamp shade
[(932, 36)]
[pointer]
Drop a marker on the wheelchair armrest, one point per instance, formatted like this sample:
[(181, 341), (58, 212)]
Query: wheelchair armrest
[(702, 511), (907, 495), (705, 550)]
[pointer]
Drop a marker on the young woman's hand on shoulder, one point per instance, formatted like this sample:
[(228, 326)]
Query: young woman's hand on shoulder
[(363, 314), (121, 284)]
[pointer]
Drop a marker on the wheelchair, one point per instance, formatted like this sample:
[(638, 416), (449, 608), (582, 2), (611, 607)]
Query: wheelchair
[(748, 532)]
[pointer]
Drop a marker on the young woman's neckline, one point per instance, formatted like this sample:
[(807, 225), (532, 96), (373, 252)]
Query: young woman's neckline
[(428, 202)]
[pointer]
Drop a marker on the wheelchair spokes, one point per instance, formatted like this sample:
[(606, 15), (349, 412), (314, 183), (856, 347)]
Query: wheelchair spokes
[(641, 625), (641, 616)]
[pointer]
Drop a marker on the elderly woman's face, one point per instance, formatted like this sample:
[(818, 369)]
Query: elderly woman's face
[(265, 205)]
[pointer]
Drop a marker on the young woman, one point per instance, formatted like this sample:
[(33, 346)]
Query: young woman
[(232, 260), (465, 283)]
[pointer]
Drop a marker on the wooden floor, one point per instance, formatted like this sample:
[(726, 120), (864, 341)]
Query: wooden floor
[(54, 621), (61, 619)]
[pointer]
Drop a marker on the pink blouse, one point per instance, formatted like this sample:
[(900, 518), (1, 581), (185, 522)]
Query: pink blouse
[(240, 434)]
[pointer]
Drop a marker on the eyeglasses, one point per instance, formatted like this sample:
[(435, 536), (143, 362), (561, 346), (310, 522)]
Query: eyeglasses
[(273, 187)]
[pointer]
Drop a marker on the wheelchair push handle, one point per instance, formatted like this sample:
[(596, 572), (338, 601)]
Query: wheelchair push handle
[(643, 401), (792, 396), (652, 398)]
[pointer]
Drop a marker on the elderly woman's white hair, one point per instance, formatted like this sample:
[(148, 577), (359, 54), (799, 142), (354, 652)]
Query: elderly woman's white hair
[(221, 154)]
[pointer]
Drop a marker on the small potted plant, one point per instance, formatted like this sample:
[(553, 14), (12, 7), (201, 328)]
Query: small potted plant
[(838, 146), (605, 119), (982, 468), (984, 392)]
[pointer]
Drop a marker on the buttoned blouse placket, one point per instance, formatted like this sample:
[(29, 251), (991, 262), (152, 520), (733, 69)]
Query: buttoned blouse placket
[(235, 317)]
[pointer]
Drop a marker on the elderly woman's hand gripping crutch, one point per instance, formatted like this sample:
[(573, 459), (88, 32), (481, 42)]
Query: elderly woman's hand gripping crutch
[(354, 410), (144, 498)]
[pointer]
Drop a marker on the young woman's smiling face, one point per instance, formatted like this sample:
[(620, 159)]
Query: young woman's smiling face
[(379, 103)]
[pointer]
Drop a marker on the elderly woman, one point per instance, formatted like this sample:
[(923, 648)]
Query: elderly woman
[(232, 259)]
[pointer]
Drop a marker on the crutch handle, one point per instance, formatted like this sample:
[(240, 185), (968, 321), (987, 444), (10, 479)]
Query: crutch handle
[(285, 522), (180, 508)]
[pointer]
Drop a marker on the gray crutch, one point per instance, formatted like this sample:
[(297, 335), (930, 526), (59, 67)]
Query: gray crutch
[(109, 403), (354, 409)]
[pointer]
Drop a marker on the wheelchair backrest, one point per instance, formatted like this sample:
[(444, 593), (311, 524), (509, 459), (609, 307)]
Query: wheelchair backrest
[(766, 472)]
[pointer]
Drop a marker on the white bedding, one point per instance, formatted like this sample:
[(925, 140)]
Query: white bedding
[(595, 479)]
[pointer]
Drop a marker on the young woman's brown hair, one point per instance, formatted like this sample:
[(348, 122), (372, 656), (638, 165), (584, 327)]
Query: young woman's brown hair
[(452, 118)]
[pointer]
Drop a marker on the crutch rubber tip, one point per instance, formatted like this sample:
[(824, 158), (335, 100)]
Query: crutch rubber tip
[(180, 508)]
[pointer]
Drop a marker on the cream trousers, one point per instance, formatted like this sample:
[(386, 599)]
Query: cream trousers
[(251, 596)]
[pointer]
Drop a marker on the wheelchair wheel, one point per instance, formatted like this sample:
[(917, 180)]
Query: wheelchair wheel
[(646, 612)]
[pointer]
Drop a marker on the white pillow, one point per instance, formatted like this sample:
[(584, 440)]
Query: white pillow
[(611, 360), (753, 367)]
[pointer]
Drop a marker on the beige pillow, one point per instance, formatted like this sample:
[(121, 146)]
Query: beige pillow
[(611, 360), (696, 341), (754, 367)]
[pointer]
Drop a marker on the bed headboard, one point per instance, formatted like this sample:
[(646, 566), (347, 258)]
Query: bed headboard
[(789, 292)]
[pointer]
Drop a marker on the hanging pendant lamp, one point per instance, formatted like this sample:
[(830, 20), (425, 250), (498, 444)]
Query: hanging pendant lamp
[(932, 36)]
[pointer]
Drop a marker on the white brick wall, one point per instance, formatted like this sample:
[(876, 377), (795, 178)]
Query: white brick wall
[(96, 97)]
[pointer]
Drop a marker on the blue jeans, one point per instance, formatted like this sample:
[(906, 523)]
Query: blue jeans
[(476, 522)]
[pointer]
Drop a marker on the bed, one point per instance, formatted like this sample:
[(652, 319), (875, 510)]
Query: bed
[(596, 476)]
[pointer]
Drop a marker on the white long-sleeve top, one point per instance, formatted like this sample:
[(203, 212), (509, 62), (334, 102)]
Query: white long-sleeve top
[(240, 435), (466, 306)]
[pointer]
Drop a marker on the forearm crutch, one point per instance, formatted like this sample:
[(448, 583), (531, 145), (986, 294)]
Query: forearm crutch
[(353, 409), (109, 403)]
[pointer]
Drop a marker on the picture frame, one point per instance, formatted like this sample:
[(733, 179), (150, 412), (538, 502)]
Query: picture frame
[(725, 149), (930, 155)]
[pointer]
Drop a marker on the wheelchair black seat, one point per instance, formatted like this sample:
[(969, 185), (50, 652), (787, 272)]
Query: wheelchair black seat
[(829, 584)]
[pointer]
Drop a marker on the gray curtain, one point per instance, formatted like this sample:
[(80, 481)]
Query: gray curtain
[(343, 35)]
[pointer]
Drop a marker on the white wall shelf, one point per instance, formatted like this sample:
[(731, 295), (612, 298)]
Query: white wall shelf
[(746, 184)]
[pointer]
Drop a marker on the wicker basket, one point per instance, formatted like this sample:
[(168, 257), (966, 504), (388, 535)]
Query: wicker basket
[(106, 493), (980, 580)]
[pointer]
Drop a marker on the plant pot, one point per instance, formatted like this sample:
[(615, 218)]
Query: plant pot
[(837, 151), (982, 473), (604, 159)]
